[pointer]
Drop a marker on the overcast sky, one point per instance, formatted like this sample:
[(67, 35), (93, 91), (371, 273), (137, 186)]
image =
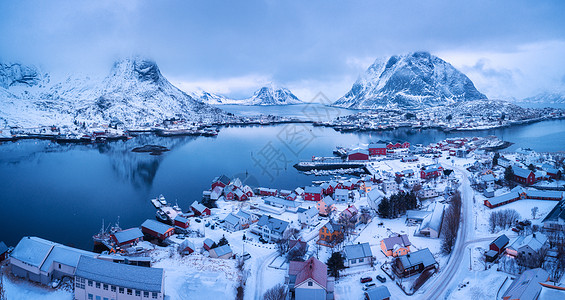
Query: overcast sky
[(508, 48)]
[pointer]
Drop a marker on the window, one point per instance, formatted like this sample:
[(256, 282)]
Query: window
[(130, 291), (90, 297), (113, 288), (361, 260), (77, 284), (146, 294), (90, 283), (59, 266), (121, 290), (154, 295), (106, 298), (310, 283), (98, 285), (138, 293), (98, 298)]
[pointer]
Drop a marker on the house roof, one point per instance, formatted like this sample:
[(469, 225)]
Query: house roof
[(362, 151), (488, 177), (527, 286), (222, 250), (198, 206), (232, 219), (64, 255), (524, 173), (311, 268), (377, 145), (311, 212), (186, 244), (181, 219), (357, 251), (208, 242), (128, 235), (3, 248), (501, 241), (328, 200), (378, 293), (535, 241), (433, 220), (557, 213), (280, 201), (298, 244), (341, 192), (544, 194), (242, 214), (223, 179), (423, 256), (332, 227), (273, 224), (392, 241), (503, 198), (216, 192), (32, 250), (417, 214), (156, 226), (123, 275), (374, 195), (313, 190)]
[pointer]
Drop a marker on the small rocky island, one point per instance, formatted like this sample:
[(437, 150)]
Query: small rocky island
[(152, 149)]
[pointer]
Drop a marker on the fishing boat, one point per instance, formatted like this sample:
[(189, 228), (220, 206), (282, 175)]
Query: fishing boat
[(162, 200)]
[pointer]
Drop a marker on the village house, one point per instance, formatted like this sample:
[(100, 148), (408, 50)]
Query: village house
[(377, 293), (127, 237), (431, 225), (415, 217), (313, 193), (526, 176), (390, 187), (496, 247), (431, 171), (555, 219), (518, 193), (269, 228), (504, 162), (377, 149), (267, 192), (327, 189), (307, 216), (358, 255), (100, 279), (297, 245), (181, 223), (325, 206), (341, 195), (428, 192), (3, 251), (330, 234), (350, 215), (199, 209), (309, 280), (221, 181), (157, 229), (527, 285), (396, 245), (207, 244), (488, 181), (42, 261), (186, 247), (240, 195), (229, 194), (276, 202), (414, 263), (527, 246), (358, 155), (223, 252), (232, 223), (374, 198), (216, 193)]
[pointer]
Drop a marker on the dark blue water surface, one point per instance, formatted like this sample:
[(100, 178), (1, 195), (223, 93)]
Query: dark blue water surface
[(62, 192)]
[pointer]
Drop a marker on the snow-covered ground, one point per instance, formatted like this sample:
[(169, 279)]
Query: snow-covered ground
[(18, 289)]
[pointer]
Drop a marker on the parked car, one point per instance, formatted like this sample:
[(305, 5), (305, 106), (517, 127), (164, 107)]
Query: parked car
[(515, 229), (366, 279), (381, 278), (246, 256), (197, 220), (369, 285)]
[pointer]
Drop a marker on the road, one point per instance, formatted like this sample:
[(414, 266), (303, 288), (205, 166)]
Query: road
[(259, 276), (464, 238)]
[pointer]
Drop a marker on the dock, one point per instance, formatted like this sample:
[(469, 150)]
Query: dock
[(328, 165)]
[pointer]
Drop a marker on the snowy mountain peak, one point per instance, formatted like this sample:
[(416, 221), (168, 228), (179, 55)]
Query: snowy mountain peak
[(136, 68), (414, 80), (273, 95)]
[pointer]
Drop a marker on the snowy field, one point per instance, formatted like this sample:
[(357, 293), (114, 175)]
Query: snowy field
[(17, 289)]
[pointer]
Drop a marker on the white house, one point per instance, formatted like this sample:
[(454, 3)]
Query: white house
[(341, 195), (431, 225), (390, 187), (269, 228), (307, 216), (374, 198), (358, 255)]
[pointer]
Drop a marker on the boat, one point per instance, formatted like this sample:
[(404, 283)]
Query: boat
[(177, 207), (104, 237), (162, 216), (162, 200), (156, 203)]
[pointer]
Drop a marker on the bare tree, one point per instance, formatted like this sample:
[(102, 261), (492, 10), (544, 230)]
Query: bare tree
[(282, 246), (278, 292), (535, 210), (2, 290), (451, 220)]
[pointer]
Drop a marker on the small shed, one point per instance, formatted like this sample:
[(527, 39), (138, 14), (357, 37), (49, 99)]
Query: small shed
[(208, 244), (186, 247), (223, 252)]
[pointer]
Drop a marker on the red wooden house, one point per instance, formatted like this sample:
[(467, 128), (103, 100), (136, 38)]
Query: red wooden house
[(327, 189), (313, 193), (267, 192), (181, 222), (207, 244), (291, 197), (229, 194), (499, 244), (248, 191), (222, 181), (157, 229), (431, 171), (128, 236), (524, 176), (377, 149), (240, 195), (358, 154), (199, 209)]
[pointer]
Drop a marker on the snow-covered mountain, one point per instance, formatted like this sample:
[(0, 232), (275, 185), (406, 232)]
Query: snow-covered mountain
[(267, 95), (410, 81), (546, 97), (135, 93), (486, 109)]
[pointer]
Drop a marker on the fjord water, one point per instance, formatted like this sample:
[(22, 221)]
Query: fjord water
[(62, 192)]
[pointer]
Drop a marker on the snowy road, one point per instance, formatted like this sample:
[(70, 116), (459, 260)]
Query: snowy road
[(259, 276), (464, 236)]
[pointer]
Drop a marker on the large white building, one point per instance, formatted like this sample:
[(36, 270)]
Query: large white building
[(97, 279)]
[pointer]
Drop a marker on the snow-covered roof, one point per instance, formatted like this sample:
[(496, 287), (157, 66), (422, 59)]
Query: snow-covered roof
[(280, 201), (208, 242), (392, 241), (503, 198), (313, 190), (156, 226), (535, 241), (501, 241), (223, 179), (488, 177), (433, 220), (222, 250), (64, 255), (128, 235), (328, 201), (186, 244), (181, 219), (311, 212), (243, 214), (312, 268), (273, 224), (32, 250), (377, 145), (122, 275), (198, 206), (417, 214), (524, 173), (544, 194), (3, 248), (341, 192), (378, 293), (375, 195), (527, 286), (423, 256), (231, 219), (357, 251)]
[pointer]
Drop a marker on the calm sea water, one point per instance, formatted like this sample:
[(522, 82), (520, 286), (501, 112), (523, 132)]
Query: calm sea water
[(62, 192)]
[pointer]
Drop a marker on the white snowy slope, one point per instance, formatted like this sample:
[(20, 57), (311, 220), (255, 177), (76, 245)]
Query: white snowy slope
[(487, 108), (411, 81), (557, 96), (135, 93), (267, 95)]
